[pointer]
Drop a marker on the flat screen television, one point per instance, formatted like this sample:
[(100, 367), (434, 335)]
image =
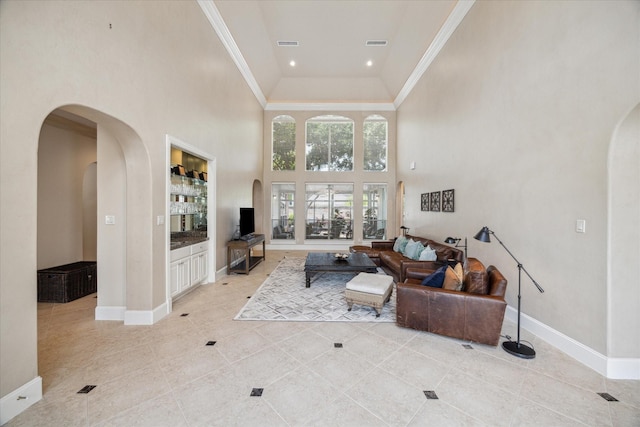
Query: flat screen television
[(247, 224)]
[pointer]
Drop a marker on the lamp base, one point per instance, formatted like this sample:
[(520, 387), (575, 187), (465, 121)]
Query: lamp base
[(519, 350)]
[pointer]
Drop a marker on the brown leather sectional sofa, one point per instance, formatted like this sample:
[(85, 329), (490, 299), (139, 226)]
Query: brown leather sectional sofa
[(475, 313), (396, 264)]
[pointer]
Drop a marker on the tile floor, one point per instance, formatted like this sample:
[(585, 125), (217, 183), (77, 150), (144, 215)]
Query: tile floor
[(166, 375)]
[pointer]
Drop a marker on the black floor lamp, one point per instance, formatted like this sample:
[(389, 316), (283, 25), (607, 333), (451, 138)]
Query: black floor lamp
[(513, 347)]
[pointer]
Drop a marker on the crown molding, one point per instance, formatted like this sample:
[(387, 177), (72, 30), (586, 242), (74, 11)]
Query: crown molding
[(453, 21), (330, 106), (215, 19)]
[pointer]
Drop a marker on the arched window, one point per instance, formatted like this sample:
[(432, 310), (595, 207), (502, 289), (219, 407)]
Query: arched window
[(329, 144), (375, 143), (283, 137)]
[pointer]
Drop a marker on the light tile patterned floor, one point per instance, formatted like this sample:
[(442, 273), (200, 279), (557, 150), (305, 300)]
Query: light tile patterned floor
[(165, 375)]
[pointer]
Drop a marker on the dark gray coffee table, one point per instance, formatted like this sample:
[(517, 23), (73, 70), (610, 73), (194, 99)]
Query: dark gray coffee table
[(321, 262)]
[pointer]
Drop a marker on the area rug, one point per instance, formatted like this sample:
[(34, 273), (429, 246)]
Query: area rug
[(283, 296)]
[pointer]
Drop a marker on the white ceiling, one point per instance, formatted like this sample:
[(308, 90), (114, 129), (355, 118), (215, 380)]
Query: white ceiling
[(332, 53)]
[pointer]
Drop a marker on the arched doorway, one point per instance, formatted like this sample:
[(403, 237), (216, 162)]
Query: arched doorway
[(124, 234), (624, 243), (258, 205)]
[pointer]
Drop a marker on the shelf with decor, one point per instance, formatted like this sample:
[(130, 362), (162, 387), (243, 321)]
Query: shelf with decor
[(187, 203)]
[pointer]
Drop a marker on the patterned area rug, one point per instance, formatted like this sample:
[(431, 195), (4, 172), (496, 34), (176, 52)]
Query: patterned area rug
[(283, 296)]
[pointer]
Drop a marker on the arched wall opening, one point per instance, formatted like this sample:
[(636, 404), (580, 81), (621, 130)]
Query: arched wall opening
[(624, 245), (258, 205), (124, 235)]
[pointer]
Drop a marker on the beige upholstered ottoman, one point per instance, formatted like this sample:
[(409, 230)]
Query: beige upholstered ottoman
[(369, 289)]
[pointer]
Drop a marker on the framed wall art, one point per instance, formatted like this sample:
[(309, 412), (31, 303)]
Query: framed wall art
[(424, 202), (434, 204), (447, 201)]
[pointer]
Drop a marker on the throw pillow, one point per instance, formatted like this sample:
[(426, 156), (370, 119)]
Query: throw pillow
[(428, 254), (412, 249), (400, 244), (418, 252), (453, 278), (436, 279), (476, 280)]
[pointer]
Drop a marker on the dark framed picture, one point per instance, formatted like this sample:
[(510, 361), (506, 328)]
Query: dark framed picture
[(424, 202), (447, 201), (434, 204)]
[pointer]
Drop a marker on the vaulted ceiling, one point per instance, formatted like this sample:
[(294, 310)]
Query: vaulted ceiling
[(331, 44)]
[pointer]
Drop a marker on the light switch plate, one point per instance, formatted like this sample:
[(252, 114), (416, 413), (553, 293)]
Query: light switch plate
[(160, 220), (581, 226), (110, 219)]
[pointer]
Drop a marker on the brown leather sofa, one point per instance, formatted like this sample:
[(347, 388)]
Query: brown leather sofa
[(396, 264), (474, 314)]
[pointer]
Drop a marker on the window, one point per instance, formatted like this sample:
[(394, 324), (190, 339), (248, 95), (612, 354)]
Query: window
[(283, 136), (374, 211), (329, 211), (375, 143), (282, 211), (329, 145)]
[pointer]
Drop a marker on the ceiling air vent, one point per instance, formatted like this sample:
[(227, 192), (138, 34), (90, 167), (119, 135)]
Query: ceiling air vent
[(376, 43), (288, 43)]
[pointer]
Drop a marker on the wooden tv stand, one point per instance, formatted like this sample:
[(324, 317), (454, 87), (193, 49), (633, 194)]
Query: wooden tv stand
[(249, 261)]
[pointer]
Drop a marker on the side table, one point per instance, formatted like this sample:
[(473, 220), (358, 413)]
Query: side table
[(249, 261)]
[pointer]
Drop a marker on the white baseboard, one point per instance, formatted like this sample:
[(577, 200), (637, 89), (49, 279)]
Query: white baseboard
[(110, 313), (145, 317), (20, 399), (614, 368)]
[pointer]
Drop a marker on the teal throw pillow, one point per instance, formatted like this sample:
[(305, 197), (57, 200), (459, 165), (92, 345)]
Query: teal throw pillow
[(428, 254), (413, 249), (400, 244), (436, 279)]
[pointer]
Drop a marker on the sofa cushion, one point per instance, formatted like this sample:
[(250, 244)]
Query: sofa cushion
[(413, 249), (436, 279), (453, 278), (400, 244), (428, 254), (476, 279)]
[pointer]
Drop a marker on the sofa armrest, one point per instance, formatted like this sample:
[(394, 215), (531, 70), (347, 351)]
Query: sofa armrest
[(386, 245), (428, 267)]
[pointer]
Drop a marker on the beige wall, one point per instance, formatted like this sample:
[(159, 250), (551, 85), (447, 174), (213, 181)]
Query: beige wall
[(63, 159), (516, 114), (141, 70), (357, 177)]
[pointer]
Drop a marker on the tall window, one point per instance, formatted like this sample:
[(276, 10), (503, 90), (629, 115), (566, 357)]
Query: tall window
[(329, 145), (283, 135), (282, 211), (374, 211), (375, 143), (329, 211)]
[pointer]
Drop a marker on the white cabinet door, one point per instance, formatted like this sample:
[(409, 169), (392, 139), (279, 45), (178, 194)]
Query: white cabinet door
[(175, 277), (184, 274), (204, 270), (198, 267), (195, 269)]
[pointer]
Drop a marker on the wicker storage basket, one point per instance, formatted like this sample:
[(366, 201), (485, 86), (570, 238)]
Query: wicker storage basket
[(67, 282)]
